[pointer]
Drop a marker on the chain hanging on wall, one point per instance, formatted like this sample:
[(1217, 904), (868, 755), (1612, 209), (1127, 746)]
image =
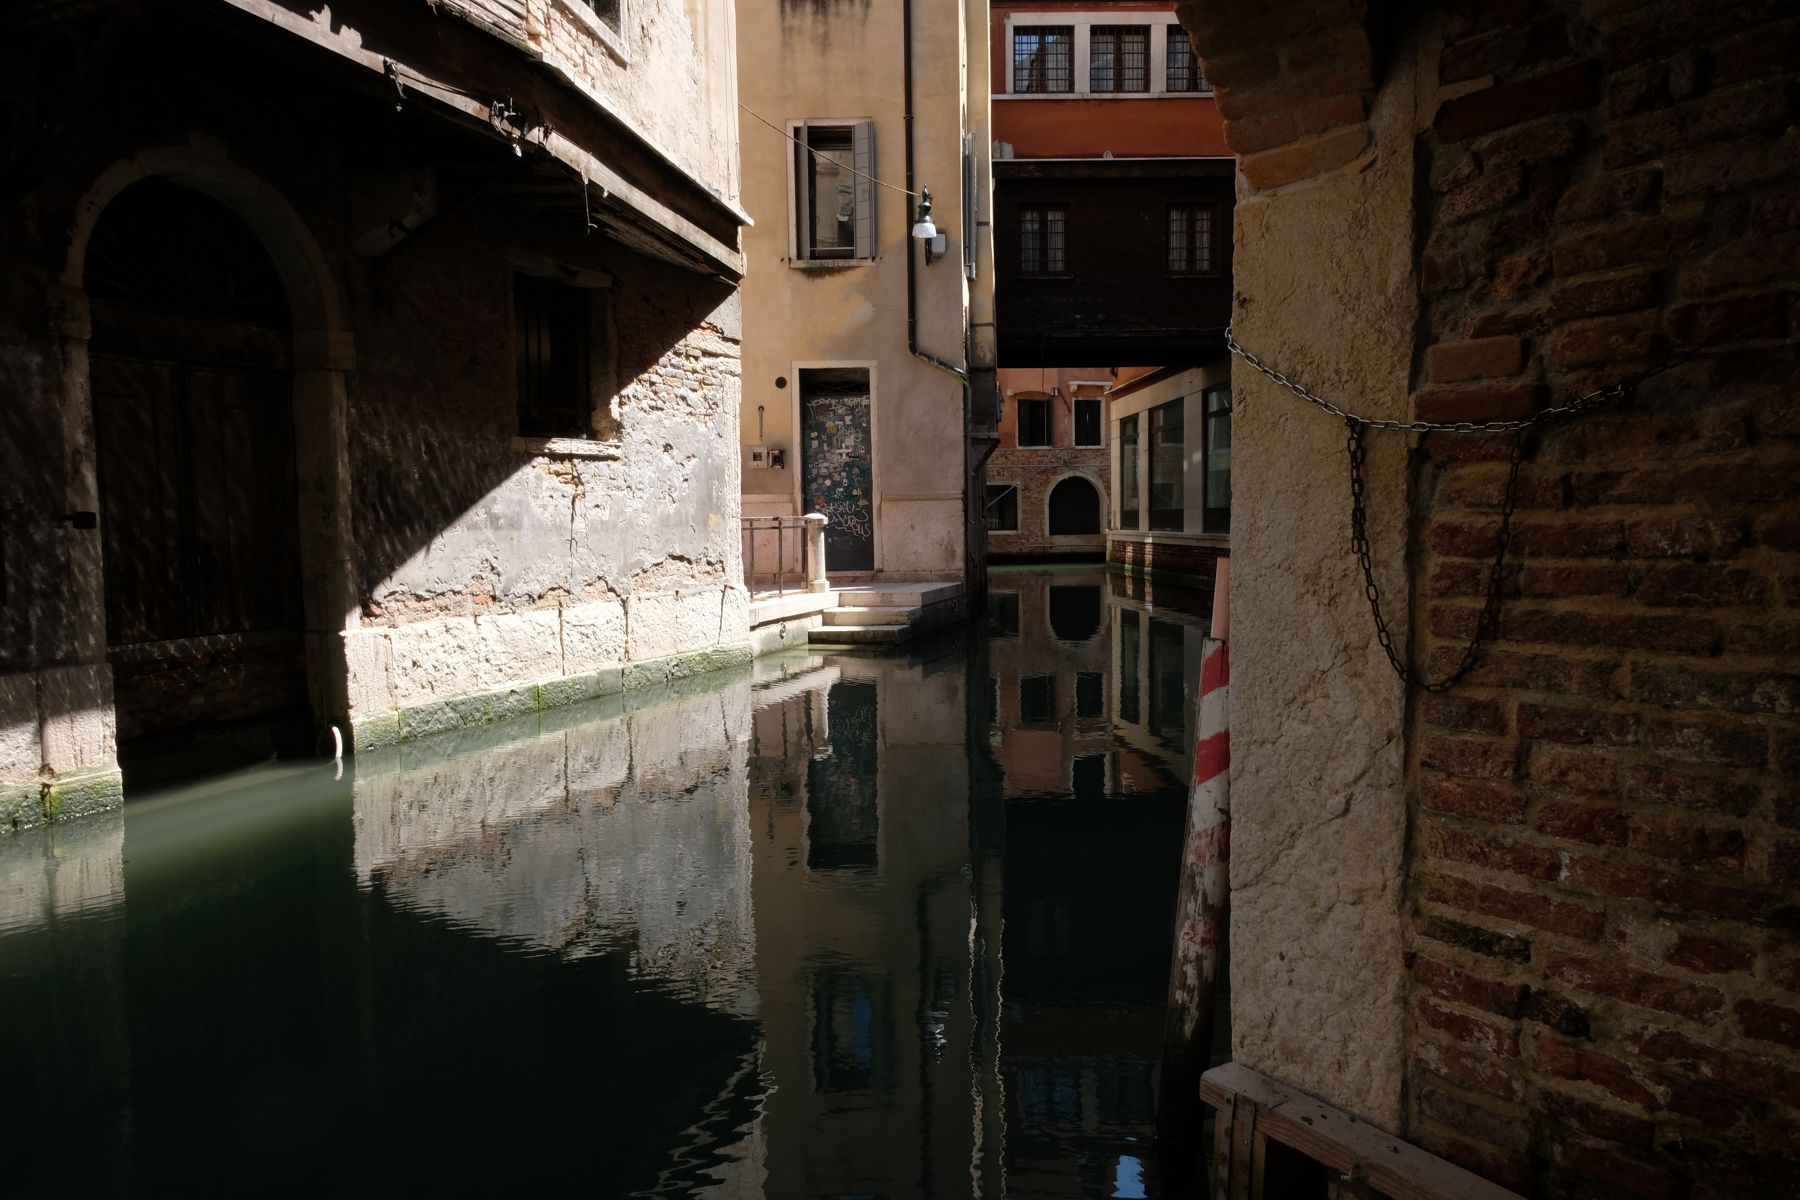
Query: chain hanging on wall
[(1488, 621)]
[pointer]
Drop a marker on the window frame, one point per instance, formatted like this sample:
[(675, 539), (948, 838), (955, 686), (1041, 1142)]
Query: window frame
[(1081, 64), (567, 302), (1049, 423), (1099, 403), (1116, 34), (988, 504), (611, 36), (1202, 85), (1160, 518), (1130, 475), (1214, 519), (1042, 268), (864, 219), (1192, 211), (1039, 29)]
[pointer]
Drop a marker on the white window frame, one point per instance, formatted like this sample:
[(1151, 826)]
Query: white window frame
[(1083, 23), (865, 194), (612, 39), (1074, 395)]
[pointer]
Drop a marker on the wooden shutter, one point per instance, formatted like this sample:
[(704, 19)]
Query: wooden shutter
[(802, 193), (969, 205), (862, 142)]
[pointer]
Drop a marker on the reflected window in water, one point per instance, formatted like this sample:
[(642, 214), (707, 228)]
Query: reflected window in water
[(1050, 1095), (993, 700), (1037, 699), (1090, 694), (1087, 777), (1128, 1179), (843, 1030), (1074, 613), (1003, 614), (1168, 688), (1130, 645), (843, 832)]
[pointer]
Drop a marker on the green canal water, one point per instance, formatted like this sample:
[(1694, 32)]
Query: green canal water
[(838, 925)]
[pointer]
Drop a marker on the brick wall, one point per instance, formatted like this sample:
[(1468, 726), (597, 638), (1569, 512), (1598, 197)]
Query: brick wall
[(1180, 557), (1604, 874), (1606, 991)]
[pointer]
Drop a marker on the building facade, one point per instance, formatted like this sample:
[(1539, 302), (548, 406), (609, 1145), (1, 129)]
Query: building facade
[(382, 378), (1170, 454), (868, 352), (1113, 193)]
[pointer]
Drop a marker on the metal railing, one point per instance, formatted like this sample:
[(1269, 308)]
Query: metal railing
[(788, 531)]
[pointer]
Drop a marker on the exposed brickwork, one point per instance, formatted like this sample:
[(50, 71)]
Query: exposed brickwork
[(1604, 877), (1183, 558)]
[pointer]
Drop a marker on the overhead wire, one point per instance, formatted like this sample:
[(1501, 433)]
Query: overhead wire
[(817, 153)]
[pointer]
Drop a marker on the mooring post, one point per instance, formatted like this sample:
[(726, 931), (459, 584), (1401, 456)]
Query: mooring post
[(1205, 890), (815, 552)]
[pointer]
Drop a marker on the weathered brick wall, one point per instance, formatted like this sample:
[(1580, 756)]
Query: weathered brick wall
[(1187, 559), (1606, 992), (1604, 986)]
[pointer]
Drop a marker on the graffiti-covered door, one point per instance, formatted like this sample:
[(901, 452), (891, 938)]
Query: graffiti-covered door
[(835, 464)]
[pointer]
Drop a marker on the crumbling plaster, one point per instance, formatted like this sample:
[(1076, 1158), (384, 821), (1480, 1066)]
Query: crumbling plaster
[(1325, 292)]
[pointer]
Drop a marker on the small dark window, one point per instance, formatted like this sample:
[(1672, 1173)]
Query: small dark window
[(1130, 668), (1090, 694), (1193, 239), (1037, 699), (1184, 74), (1128, 472), (1003, 614), (608, 11), (993, 700), (1044, 58), (1167, 464), (1119, 58), (551, 322), (1075, 612), (1087, 776), (1044, 241), (1087, 422), (1003, 507), (1034, 423)]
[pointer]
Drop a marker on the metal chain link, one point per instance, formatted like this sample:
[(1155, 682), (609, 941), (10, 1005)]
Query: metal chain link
[(1581, 404)]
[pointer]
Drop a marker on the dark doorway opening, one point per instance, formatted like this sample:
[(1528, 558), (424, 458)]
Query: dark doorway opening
[(194, 433)]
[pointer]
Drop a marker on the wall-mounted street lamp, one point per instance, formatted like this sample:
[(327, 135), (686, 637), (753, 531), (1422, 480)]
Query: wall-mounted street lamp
[(926, 231)]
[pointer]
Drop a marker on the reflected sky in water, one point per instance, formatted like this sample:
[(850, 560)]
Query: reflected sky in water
[(835, 925)]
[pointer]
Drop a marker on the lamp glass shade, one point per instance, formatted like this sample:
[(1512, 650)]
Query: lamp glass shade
[(925, 230)]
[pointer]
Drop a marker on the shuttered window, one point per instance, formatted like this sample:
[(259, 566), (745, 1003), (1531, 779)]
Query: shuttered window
[(834, 192)]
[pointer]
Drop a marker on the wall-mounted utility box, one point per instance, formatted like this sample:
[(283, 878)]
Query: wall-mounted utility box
[(756, 456)]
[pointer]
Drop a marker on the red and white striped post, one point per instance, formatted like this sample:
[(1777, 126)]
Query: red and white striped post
[(1201, 903)]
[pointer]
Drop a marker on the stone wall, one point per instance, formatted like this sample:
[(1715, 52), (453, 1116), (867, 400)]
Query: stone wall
[(1600, 991)]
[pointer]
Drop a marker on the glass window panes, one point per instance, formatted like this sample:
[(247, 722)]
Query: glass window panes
[(1119, 58), (1002, 507), (1087, 421), (1183, 73), (1128, 473), (1167, 460), (1043, 241), (828, 224), (1218, 460), (1044, 58), (1192, 238)]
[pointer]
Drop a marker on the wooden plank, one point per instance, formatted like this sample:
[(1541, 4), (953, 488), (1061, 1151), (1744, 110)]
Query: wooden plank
[(1328, 1135), (1243, 1154), (1222, 1122)]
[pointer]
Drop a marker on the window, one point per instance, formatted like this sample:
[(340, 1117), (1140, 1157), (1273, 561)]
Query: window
[(1128, 473), (1087, 777), (1044, 58), (1043, 241), (1037, 699), (1087, 421), (1166, 463), (1034, 422), (1003, 614), (834, 200), (1184, 74), (1218, 460), (1090, 694), (1192, 239), (551, 358), (1119, 58), (1003, 507), (1130, 651), (608, 11)]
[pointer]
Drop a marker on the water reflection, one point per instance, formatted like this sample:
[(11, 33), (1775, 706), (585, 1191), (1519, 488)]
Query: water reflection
[(847, 925)]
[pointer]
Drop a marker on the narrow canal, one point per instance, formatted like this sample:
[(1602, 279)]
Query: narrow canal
[(870, 925)]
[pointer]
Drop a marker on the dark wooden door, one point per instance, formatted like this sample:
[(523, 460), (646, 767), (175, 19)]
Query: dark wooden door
[(837, 472)]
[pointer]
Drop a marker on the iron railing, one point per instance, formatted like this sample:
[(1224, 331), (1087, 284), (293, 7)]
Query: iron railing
[(787, 530)]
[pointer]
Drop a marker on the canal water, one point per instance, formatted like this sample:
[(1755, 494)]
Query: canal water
[(835, 925)]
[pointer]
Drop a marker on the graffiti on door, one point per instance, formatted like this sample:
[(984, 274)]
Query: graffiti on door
[(836, 473)]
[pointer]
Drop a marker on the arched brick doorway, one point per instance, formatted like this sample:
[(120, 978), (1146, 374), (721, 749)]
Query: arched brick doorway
[(1074, 508)]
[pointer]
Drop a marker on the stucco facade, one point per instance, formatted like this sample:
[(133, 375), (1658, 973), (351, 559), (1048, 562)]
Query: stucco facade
[(902, 345), (450, 561)]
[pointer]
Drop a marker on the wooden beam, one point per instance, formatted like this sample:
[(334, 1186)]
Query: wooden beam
[(1328, 1135)]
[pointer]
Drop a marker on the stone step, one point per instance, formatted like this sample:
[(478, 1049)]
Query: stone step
[(856, 615), (898, 595), (860, 635)]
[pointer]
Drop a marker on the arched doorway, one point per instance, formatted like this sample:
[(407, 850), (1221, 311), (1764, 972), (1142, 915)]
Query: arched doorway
[(1074, 507), (190, 375)]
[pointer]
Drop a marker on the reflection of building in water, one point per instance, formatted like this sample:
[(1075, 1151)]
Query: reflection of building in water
[(629, 833), (859, 815), (1086, 691)]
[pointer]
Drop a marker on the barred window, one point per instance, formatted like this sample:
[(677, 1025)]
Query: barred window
[(551, 358), (1119, 58), (1183, 74), (1043, 241), (1192, 238), (1044, 58), (1002, 507)]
